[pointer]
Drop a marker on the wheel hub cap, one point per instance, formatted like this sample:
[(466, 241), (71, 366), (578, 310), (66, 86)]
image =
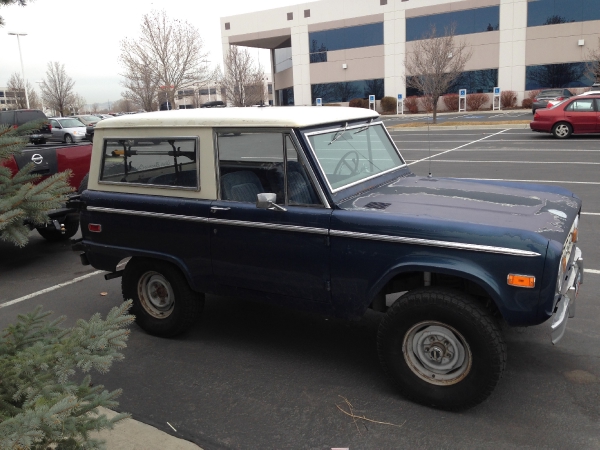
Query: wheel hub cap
[(156, 294), (437, 353)]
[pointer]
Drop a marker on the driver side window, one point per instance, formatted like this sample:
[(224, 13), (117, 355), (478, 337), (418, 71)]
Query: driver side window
[(251, 163)]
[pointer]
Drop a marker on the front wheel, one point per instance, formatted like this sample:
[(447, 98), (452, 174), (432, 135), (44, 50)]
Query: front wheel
[(562, 130), (163, 302), (69, 139), (441, 348)]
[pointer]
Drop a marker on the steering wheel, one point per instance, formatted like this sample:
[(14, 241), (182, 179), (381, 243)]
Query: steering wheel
[(351, 164)]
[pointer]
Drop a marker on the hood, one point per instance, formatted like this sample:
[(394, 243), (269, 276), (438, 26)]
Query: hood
[(546, 210)]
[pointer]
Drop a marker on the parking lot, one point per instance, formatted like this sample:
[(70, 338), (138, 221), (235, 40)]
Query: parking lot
[(252, 376)]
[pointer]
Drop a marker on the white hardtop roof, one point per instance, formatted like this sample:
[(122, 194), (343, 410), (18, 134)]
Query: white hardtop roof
[(268, 116)]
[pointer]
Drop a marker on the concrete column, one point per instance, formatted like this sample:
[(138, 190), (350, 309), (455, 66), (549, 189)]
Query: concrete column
[(301, 66), (394, 40), (513, 37)]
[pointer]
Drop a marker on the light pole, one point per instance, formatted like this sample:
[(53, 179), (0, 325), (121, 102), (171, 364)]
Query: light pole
[(42, 94), (21, 57)]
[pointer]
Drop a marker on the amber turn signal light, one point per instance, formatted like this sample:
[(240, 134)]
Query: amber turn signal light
[(526, 281), (575, 235)]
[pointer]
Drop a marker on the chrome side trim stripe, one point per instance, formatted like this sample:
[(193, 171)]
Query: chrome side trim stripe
[(270, 226), (129, 212), (323, 231), (430, 243)]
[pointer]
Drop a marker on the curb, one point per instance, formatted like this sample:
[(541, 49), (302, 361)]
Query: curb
[(473, 126), (130, 434)]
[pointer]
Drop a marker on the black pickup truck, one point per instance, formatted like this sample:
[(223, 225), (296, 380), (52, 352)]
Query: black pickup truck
[(19, 117)]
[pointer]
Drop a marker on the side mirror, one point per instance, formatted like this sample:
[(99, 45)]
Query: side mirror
[(267, 201)]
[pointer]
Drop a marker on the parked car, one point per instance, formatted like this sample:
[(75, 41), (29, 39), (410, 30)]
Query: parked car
[(213, 104), (67, 129), (89, 129), (315, 208), (48, 160), (18, 117), (87, 119), (543, 97), (579, 114)]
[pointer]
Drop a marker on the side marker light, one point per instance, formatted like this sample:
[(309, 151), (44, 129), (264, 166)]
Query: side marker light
[(525, 281), (95, 227)]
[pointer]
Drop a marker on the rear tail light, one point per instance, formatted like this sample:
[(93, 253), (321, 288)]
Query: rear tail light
[(535, 99), (559, 99), (95, 227), (49, 127), (536, 116)]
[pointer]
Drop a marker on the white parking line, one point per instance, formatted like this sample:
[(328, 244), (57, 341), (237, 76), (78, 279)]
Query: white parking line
[(514, 162), (531, 181), (595, 272), (50, 289), (590, 214), (456, 148)]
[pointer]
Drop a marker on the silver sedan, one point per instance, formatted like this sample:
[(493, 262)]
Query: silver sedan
[(67, 129)]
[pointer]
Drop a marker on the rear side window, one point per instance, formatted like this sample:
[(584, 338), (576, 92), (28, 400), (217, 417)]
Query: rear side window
[(583, 105), (27, 116), (157, 162)]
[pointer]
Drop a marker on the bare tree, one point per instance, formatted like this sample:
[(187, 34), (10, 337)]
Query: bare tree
[(435, 62), (593, 65), (10, 2), (77, 104), (168, 53), (124, 105), (95, 108), (57, 88), (243, 80), (17, 86)]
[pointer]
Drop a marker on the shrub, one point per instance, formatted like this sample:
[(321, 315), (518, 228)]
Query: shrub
[(476, 101), (359, 103), (451, 101), (40, 405), (527, 103), (508, 99), (389, 104), (411, 103), (427, 103)]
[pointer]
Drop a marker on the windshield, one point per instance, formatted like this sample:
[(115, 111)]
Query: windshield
[(71, 123), (350, 155)]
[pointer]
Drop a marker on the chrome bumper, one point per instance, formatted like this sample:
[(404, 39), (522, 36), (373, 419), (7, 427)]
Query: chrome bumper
[(565, 304)]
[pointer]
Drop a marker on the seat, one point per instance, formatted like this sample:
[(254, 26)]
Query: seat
[(241, 186), (300, 189)]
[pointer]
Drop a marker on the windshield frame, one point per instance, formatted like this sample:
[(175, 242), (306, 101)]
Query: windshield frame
[(348, 128)]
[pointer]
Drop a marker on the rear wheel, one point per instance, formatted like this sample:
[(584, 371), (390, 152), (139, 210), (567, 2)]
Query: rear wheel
[(163, 302), (562, 130), (53, 235), (441, 348), (68, 139)]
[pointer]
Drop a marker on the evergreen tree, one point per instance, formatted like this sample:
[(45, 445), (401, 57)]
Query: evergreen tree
[(40, 404), (22, 198)]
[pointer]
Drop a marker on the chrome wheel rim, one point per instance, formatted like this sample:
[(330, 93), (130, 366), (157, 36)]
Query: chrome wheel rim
[(156, 295), (437, 353), (562, 130)]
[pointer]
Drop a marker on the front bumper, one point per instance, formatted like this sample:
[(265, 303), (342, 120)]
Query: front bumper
[(565, 305)]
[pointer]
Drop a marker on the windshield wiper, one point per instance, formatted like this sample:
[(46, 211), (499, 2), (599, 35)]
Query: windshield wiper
[(366, 127), (338, 134)]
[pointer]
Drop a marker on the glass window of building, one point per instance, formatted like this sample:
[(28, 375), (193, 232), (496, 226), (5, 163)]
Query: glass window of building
[(565, 75), (348, 90), (468, 21), (474, 81), (551, 12), (285, 96), (283, 59), (320, 42)]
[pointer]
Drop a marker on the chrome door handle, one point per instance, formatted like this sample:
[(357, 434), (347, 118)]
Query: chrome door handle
[(214, 209)]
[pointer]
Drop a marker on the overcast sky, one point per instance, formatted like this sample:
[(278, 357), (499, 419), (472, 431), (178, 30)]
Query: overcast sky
[(85, 36)]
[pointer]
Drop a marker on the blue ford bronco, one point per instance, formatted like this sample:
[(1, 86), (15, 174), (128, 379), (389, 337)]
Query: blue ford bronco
[(315, 208)]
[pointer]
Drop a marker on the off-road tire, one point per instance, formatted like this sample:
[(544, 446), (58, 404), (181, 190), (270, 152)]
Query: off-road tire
[(53, 235), (459, 312), (187, 304)]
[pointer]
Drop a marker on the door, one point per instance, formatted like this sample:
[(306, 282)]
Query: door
[(57, 131), (282, 250), (582, 115), (597, 102)]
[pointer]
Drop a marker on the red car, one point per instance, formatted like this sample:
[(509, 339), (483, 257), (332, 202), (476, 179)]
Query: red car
[(579, 114)]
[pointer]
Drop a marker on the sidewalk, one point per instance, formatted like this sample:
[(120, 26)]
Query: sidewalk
[(133, 435)]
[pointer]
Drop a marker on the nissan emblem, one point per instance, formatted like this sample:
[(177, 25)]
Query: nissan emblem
[(38, 159)]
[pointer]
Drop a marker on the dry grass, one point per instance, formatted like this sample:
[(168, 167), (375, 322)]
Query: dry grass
[(458, 123)]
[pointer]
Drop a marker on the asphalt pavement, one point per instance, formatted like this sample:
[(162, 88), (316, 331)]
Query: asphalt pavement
[(253, 376)]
